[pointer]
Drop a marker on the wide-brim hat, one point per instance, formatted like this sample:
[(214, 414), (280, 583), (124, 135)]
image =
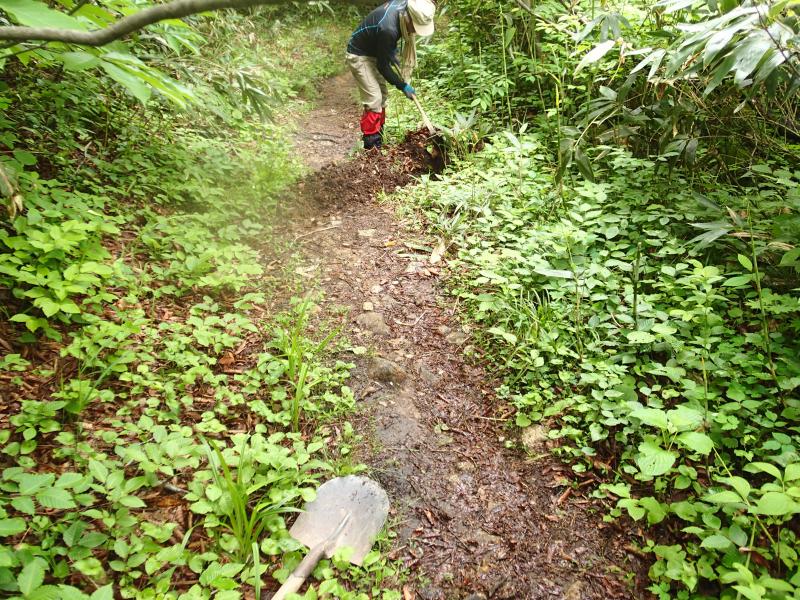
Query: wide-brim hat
[(421, 13)]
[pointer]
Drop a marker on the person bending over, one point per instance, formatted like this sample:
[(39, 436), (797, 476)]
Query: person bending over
[(372, 58)]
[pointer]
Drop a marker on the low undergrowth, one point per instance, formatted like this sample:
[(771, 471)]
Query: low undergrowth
[(651, 321), (165, 406)]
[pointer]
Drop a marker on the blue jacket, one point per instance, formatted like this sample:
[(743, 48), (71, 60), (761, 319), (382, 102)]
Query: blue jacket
[(378, 36)]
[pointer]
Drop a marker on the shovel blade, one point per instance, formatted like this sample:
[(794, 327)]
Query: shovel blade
[(361, 498)]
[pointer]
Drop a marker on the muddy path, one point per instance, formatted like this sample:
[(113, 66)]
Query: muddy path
[(475, 519)]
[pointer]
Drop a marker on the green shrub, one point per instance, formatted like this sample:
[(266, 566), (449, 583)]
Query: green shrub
[(652, 323)]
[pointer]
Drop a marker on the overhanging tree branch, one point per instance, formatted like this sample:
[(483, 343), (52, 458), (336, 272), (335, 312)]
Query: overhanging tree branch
[(100, 37)]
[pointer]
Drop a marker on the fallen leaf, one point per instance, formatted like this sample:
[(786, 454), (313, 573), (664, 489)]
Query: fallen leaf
[(438, 252)]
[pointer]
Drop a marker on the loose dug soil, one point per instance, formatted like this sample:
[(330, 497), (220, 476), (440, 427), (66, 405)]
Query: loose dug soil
[(475, 519)]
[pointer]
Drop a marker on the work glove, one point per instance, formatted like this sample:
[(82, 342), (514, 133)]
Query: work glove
[(409, 91)]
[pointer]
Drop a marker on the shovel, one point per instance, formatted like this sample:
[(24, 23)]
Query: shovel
[(438, 156), (348, 512), (425, 119)]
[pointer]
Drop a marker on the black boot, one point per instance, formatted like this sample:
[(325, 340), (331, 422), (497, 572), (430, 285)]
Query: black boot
[(373, 140)]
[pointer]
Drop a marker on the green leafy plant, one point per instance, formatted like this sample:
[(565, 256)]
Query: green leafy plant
[(643, 346), (133, 245), (245, 518)]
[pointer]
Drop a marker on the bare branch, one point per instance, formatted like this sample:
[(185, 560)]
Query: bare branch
[(72, 11), (100, 37)]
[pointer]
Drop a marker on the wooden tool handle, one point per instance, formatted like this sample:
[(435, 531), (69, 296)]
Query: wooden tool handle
[(301, 572), (425, 118)]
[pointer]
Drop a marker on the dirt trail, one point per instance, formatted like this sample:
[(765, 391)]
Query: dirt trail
[(476, 520)]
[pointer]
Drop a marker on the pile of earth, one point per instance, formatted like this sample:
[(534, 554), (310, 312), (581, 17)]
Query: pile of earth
[(374, 171)]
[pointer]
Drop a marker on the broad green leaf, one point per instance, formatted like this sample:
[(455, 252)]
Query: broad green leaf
[(776, 504), (7, 558), (583, 163), (31, 576), (685, 418), (736, 392), (104, 593), (696, 441), (684, 510), (24, 158), (140, 90), (778, 7), (559, 273), (716, 542), (69, 307), (654, 417), (98, 470), (151, 76), (46, 592), (792, 472), (71, 593), (788, 383), (132, 502), (91, 567), (762, 467), (32, 482), (595, 54), (719, 73), (635, 511), (749, 54), (38, 14), (55, 498), (69, 479), (778, 585), (791, 258), (506, 335), (99, 16), (740, 484), (717, 42), (641, 337), (48, 305), (656, 512), (74, 532), (664, 329), (737, 535), (653, 460), (24, 504), (78, 61), (522, 420), (12, 526), (738, 280), (726, 497), (745, 262), (622, 490)]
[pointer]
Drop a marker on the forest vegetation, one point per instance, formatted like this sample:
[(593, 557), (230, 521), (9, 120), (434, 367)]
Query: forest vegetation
[(620, 220)]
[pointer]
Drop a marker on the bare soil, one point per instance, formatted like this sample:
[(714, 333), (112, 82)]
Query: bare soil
[(477, 517)]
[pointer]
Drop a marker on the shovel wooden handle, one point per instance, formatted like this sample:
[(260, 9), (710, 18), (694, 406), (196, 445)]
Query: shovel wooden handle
[(306, 566), (301, 572), (425, 118)]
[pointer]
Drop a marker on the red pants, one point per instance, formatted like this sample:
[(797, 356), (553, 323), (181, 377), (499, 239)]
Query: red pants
[(372, 122)]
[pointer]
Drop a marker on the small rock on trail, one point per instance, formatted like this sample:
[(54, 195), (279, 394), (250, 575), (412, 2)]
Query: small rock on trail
[(373, 322), (386, 371)]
